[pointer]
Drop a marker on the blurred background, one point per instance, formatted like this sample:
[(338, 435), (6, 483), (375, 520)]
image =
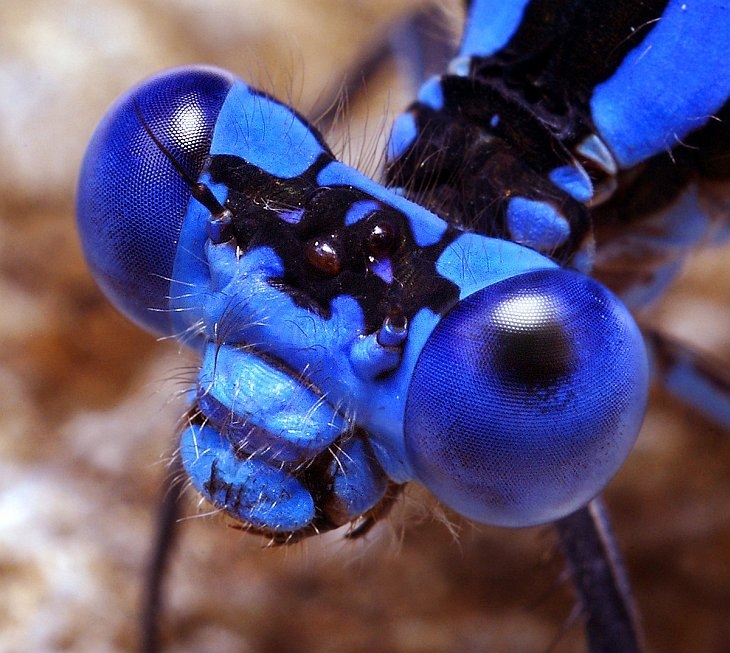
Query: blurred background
[(88, 407)]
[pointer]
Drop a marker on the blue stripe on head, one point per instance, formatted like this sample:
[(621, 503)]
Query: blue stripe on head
[(265, 133), (360, 210), (473, 262), (191, 272)]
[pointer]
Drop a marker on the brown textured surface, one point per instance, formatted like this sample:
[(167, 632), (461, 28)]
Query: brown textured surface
[(87, 420)]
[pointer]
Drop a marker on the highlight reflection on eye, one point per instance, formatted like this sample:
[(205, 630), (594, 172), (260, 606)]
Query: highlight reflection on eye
[(532, 346)]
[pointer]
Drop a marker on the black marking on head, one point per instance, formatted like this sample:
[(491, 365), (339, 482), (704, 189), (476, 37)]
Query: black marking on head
[(325, 258)]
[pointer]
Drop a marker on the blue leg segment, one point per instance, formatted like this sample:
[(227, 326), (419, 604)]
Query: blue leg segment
[(693, 378)]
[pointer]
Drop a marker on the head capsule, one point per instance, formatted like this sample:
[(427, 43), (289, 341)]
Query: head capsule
[(134, 187), (526, 398)]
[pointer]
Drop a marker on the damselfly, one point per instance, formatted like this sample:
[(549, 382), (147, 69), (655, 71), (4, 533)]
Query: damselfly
[(469, 353)]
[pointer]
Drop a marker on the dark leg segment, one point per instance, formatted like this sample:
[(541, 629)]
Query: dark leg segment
[(600, 580), (164, 543)]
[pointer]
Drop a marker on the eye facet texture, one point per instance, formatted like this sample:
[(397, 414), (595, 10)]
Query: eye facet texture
[(526, 398), (132, 199)]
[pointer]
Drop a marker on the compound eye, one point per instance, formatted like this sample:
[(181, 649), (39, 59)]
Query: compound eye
[(132, 199), (527, 398)]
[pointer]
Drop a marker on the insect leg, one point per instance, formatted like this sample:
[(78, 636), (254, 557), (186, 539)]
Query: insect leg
[(695, 379), (159, 559), (600, 580)]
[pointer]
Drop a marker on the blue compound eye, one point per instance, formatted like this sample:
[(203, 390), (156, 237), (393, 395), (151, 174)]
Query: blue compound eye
[(526, 398), (133, 195)]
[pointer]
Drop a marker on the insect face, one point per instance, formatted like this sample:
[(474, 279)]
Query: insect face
[(350, 340)]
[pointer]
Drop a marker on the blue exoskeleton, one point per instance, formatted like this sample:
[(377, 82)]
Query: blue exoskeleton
[(350, 339), (353, 341)]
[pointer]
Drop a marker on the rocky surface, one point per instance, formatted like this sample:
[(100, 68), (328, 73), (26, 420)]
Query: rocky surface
[(89, 411)]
